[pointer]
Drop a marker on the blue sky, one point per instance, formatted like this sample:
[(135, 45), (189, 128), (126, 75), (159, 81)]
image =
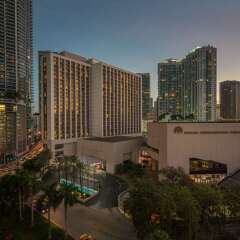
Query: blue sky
[(137, 34)]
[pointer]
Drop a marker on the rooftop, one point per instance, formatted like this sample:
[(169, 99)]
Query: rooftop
[(195, 122), (90, 61), (233, 179), (113, 139), (170, 60)]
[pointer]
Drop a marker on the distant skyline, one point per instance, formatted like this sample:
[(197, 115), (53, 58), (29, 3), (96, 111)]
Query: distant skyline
[(137, 34)]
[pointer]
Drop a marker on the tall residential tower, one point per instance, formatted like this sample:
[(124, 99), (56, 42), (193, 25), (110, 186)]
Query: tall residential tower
[(168, 86), (230, 100), (199, 83), (146, 95), (188, 86), (15, 77)]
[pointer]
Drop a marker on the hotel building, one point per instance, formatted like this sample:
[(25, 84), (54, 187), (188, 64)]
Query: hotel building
[(15, 78), (64, 99), (116, 101), (82, 97)]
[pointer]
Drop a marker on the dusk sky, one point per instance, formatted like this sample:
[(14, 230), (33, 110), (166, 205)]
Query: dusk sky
[(137, 34)]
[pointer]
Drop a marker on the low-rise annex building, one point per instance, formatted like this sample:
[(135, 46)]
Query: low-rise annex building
[(108, 152), (205, 150)]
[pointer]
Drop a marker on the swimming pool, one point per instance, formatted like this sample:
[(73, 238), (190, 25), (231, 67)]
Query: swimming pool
[(81, 189)]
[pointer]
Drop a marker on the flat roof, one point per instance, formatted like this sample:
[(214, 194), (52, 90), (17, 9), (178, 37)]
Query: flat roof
[(113, 139), (89, 61), (179, 122)]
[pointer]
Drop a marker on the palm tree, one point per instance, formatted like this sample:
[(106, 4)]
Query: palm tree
[(20, 182), (54, 198), (66, 167), (73, 167), (33, 186), (158, 234), (70, 196), (60, 165), (80, 172), (8, 192)]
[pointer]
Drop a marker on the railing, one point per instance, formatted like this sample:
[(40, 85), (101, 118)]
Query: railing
[(122, 197), (230, 176)]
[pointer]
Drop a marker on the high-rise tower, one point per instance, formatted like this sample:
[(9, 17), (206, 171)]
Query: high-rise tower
[(199, 83), (230, 100), (82, 97), (169, 86), (146, 95), (188, 86), (15, 77)]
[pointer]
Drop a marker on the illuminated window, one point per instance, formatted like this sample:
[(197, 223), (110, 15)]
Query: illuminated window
[(2, 108)]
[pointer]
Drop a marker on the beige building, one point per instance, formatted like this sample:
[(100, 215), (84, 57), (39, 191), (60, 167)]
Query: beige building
[(116, 102), (64, 99), (82, 97), (213, 145), (108, 152)]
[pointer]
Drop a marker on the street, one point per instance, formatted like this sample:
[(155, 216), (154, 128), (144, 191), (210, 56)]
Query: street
[(11, 167)]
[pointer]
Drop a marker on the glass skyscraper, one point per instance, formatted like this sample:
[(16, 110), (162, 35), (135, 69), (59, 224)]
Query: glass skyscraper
[(146, 95), (199, 83), (188, 86), (15, 77), (230, 100), (168, 86)]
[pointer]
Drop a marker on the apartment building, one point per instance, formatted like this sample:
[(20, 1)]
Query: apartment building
[(199, 81), (15, 78), (169, 80), (146, 95), (230, 100), (188, 86)]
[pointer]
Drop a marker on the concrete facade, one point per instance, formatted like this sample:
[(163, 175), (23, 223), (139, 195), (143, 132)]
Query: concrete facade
[(173, 144), (115, 101), (112, 151), (81, 98), (64, 100)]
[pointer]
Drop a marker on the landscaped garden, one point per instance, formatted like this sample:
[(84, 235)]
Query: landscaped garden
[(177, 208), (20, 217), (79, 176), (85, 193), (12, 228)]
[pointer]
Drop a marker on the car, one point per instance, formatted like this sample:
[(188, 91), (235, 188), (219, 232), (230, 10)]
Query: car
[(41, 203), (86, 237)]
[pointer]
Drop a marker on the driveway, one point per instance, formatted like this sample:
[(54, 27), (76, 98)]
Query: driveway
[(100, 217), (103, 224), (111, 187)]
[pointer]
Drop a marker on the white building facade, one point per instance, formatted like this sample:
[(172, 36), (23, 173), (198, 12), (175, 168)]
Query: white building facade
[(82, 97), (175, 144)]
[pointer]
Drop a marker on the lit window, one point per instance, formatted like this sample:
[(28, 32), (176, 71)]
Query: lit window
[(2, 108)]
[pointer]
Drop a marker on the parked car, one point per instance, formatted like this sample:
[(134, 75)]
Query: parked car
[(86, 237), (42, 205)]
